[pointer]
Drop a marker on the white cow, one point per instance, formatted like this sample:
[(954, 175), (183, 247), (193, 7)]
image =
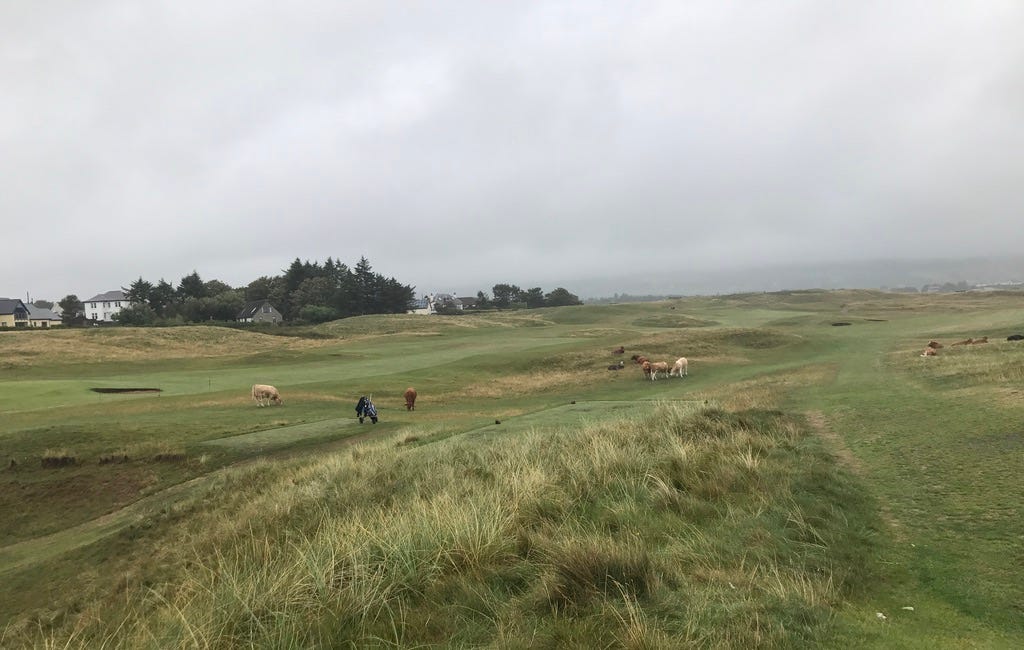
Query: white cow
[(263, 395), (679, 369)]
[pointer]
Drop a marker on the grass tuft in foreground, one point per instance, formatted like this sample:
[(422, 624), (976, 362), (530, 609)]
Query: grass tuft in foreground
[(689, 526)]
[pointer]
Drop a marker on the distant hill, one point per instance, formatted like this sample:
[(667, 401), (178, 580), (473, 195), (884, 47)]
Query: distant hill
[(873, 274)]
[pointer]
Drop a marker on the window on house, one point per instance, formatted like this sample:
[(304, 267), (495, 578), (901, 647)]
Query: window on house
[(266, 309), (92, 306), (117, 304)]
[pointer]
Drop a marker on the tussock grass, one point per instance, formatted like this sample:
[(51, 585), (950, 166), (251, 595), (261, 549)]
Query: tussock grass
[(58, 457), (687, 527)]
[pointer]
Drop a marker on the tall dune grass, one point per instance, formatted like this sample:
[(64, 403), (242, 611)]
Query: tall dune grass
[(687, 527)]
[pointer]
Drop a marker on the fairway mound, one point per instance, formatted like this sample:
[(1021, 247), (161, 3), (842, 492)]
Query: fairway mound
[(715, 528), (133, 344), (126, 390)]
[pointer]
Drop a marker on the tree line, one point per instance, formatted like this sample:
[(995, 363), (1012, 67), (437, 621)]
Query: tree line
[(310, 292), (509, 296)]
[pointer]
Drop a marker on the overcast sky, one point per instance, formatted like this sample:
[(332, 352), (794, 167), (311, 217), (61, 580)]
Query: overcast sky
[(461, 144)]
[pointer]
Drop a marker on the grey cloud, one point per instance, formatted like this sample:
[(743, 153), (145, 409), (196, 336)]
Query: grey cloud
[(461, 144)]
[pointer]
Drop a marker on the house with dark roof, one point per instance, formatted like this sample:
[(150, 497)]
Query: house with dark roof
[(13, 313), (259, 311), (42, 317), (103, 306)]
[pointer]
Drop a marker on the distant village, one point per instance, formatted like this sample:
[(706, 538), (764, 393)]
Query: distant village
[(952, 287), (106, 308)]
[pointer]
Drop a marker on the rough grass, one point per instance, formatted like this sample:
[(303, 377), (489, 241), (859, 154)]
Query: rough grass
[(683, 528), (55, 346), (999, 363)]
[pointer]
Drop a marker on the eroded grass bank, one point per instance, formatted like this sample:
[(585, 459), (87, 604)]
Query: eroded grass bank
[(690, 525)]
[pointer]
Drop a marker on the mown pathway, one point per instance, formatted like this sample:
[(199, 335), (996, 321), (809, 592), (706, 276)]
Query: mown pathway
[(946, 470)]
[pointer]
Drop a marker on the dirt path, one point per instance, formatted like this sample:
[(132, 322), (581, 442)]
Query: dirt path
[(836, 443)]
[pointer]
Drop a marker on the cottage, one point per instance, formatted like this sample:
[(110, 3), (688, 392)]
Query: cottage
[(42, 317), (259, 311), (13, 313)]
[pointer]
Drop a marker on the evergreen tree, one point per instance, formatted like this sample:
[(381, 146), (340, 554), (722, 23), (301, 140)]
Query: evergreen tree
[(139, 292), (365, 287), (505, 295), (534, 297), (161, 298), (191, 286)]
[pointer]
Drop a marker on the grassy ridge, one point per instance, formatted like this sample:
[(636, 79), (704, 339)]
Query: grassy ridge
[(686, 526)]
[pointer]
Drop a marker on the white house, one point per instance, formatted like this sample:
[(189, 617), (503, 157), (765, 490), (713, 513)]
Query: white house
[(432, 303), (441, 301), (102, 307)]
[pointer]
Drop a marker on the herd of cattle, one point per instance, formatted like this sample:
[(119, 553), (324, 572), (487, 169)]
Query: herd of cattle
[(652, 369), (933, 347), (265, 394)]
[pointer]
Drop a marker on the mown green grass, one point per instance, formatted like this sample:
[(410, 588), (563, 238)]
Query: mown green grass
[(900, 489)]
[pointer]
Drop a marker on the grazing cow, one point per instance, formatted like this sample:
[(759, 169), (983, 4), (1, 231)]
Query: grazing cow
[(680, 367), (929, 352), (263, 395), (616, 366), (619, 350), (410, 398), (935, 345), (1015, 337), (658, 366), (366, 409), (964, 342)]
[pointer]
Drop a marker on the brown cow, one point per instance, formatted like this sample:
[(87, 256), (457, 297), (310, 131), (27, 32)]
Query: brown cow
[(639, 358), (935, 345), (410, 399), (619, 350), (656, 367), (964, 342)]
